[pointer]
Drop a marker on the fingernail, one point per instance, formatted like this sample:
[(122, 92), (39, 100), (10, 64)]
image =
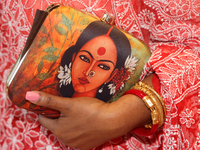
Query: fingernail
[(32, 96)]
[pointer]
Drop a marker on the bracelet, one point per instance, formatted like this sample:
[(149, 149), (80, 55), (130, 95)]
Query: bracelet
[(154, 114), (150, 91), (159, 97), (154, 102)]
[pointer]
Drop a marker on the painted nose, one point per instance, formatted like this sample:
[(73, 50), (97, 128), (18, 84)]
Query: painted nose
[(89, 70)]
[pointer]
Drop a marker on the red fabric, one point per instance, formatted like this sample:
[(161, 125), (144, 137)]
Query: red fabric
[(156, 83), (170, 28)]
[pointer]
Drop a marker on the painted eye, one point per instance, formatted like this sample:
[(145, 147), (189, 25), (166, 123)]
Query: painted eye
[(104, 67), (84, 58)]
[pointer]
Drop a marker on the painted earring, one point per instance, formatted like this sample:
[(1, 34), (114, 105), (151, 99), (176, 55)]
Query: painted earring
[(91, 74), (101, 89)]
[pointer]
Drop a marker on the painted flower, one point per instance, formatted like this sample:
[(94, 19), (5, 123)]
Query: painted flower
[(112, 88), (121, 77), (131, 63), (65, 75)]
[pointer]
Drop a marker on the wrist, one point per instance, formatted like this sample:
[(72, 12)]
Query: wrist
[(125, 114), (153, 102)]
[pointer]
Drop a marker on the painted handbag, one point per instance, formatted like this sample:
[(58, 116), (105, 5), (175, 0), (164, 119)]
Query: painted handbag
[(71, 53)]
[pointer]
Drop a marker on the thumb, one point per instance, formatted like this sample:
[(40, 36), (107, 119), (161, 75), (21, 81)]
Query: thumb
[(48, 100)]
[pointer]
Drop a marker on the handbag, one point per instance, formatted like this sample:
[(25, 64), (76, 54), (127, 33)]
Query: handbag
[(72, 53)]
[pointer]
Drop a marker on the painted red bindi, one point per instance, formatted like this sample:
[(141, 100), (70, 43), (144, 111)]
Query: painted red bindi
[(101, 51)]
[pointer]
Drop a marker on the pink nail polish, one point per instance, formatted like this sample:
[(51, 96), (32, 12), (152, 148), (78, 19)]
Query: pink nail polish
[(32, 96)]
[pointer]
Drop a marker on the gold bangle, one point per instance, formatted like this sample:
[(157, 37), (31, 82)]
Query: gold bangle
[(157, 105), (159, 97), (154, 114), (155, 101)]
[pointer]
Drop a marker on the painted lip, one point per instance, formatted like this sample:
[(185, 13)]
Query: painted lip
[(83, 80)]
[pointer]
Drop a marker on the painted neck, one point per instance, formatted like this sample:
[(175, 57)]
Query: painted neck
[(91, 93)]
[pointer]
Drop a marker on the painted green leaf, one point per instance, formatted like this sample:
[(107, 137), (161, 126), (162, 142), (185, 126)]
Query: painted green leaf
[(67, 22), (60, 30), (44, 30), (50, 49), (43, 76), (57, 12), (40, 66), (85, 21), (42, 41), (80, 30), (50, 57)]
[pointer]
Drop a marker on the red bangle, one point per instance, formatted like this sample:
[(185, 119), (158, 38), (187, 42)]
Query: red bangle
[(138, 93), (142, 130), (146, 132)]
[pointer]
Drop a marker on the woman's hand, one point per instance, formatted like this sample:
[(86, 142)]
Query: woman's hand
[(88, 122)]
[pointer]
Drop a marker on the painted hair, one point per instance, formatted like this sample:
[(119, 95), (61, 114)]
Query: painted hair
[(95, 29)]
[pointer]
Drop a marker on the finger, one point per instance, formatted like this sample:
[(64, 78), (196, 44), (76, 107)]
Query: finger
[(48, 100), (48, 123)]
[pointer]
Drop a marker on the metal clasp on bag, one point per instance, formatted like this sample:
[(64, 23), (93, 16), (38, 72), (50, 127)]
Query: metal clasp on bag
[(108, 18), (53, 6)]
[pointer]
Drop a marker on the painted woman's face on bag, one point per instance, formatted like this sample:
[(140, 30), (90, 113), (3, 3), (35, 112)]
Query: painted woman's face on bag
[(94, 64)]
